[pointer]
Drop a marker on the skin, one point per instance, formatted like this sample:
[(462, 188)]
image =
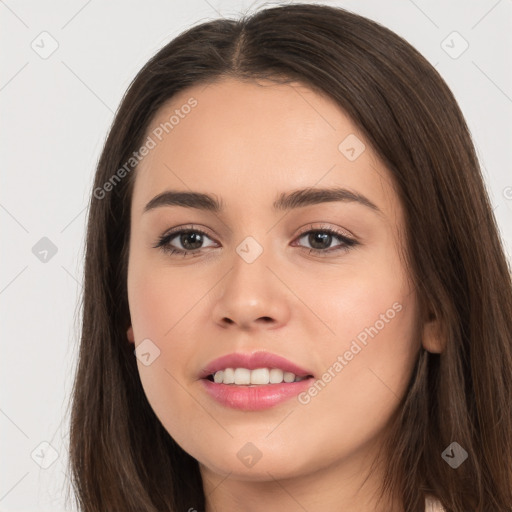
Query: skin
[(245, 142)]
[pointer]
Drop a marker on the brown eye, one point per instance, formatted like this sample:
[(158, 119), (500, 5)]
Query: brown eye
[(320, 241), (190, 240)]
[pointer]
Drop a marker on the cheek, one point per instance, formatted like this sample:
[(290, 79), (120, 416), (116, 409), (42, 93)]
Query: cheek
[(368, 361), (163, 308), (367, 367), (370, 341), (161, 304), (366, 298), (161, 298), (151, 303)]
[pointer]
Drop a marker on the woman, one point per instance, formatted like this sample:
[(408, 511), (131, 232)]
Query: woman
[(295, 294)]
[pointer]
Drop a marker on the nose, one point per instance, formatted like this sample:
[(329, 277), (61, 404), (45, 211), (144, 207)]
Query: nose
[(251, 296)]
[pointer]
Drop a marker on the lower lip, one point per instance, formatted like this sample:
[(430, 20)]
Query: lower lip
[(254, 398)]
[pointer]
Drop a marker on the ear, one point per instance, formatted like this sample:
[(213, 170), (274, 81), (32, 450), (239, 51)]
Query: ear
[(129, 334), (431, 335)]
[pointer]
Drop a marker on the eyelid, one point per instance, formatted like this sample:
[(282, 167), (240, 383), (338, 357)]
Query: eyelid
[(188, 227), (314, 226)]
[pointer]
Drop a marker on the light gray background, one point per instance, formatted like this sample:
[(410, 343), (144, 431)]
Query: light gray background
[(55, 113)]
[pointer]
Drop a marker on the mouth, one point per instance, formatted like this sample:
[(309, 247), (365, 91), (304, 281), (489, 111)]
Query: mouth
[(254, 397), (253, 381), (256, 368), (256, 377)]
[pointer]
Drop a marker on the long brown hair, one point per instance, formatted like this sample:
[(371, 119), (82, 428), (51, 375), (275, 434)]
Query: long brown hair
[(122, 458)]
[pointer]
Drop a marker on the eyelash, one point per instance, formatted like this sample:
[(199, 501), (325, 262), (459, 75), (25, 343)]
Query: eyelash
[(164, 241)]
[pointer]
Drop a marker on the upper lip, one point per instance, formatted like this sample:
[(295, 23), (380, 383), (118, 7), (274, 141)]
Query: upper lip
[(251, 361)]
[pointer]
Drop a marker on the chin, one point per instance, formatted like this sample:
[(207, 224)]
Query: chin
[(267, 465)]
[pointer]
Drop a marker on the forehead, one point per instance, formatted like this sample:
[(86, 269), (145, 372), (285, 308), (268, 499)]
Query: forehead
[(246, 140)]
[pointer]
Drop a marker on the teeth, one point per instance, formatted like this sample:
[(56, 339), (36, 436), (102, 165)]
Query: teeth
[(259, 376), (242, 376), (229, 376), (276, 376)]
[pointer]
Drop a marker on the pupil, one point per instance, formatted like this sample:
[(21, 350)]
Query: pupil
[(313, 238), (190, 236)]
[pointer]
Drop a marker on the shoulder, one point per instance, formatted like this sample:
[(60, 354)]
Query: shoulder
[(433, 505)]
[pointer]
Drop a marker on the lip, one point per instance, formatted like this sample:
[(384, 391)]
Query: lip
[(252, 361), (254, 398)]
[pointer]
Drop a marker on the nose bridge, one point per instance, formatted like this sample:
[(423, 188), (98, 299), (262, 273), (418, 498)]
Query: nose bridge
[(250, 291), (250, 275)]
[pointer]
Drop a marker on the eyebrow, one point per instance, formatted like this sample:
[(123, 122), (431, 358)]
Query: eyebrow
[(285, 201)]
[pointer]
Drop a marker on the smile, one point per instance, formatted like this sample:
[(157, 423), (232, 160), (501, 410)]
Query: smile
[(259, 376)]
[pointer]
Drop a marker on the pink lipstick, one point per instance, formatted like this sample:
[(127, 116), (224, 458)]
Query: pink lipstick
[(254, 382)]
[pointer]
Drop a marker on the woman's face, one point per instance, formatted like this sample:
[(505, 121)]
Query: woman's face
[(345, 313)]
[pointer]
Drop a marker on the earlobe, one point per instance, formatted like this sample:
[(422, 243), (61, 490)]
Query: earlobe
[(129, 334), (432, 339)]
